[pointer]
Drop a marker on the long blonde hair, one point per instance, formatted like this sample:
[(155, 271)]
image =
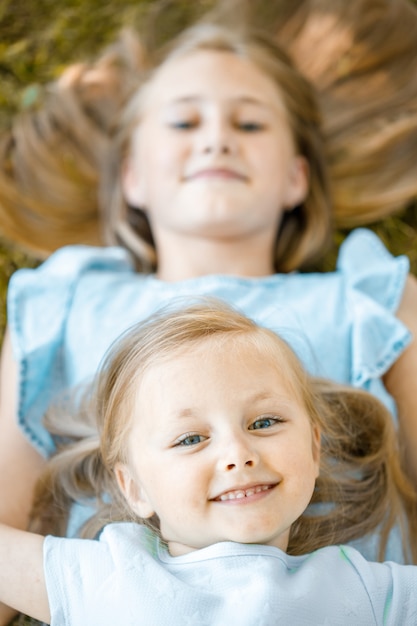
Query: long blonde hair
[(52, 177), (359, 55), (51, 158), (361, 488)]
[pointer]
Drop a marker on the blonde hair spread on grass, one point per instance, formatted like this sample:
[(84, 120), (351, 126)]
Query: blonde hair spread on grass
[(361, 487), (62, 163), (360, 57)]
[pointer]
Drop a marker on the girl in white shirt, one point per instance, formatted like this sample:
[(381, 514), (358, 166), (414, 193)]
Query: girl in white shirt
[(205, 427)]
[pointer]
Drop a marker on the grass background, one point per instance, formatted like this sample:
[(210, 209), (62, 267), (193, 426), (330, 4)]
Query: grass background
[(39, 38)]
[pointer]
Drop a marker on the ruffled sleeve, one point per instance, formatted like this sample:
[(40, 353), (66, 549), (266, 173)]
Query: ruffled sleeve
[(376, 283), (372, 270), (39, 302)]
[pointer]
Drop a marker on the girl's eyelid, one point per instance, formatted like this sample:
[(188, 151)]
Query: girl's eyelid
[(180, 441), (251, 126), (274, 418), (182, 117), (255, 117), (183, 124)]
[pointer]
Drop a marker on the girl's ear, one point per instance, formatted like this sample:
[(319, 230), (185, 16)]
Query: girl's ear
[(132, 185), (298, 182), (133, 492)]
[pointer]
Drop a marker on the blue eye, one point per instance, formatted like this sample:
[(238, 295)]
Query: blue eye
[(190, 440), (264, 422)]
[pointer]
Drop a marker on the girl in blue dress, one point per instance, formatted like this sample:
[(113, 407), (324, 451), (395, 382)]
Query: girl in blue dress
[(205, 427), (216, 185)]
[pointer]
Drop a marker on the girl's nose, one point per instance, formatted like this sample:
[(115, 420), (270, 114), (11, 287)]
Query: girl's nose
[(221, 148), (239, 455), (218, 136), (248, 463)]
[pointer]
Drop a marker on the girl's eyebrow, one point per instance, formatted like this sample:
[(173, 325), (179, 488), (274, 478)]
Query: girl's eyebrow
[(198, 98), (183, 413), (282, 399)]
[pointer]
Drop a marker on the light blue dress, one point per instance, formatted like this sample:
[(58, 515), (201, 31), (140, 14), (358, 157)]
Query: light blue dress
[(127, 577), (64, 315)]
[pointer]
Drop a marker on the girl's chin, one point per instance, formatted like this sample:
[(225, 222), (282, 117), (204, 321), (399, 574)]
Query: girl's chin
[(281, 542)]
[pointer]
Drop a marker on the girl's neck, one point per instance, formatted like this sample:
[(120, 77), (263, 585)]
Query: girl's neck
[(191, 258)]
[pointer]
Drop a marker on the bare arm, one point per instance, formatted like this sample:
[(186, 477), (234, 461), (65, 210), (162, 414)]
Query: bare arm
[(401, 380), (22, 581), (20, 464)]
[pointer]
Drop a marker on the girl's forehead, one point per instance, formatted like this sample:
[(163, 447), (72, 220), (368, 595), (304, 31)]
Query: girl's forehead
[(201, 74), (210, 372), (243, 350)]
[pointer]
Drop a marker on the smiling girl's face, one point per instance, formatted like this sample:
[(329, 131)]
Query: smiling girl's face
[(213, 155), (221, 448)]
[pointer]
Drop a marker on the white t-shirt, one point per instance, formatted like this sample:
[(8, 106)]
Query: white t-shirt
[(128, 578)]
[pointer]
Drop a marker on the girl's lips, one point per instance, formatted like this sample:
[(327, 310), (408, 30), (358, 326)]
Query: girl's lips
[(222, 173), (243, 493)]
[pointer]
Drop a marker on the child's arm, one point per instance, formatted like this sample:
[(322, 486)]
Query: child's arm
[(401, 380), (20, 463), (22, 580)]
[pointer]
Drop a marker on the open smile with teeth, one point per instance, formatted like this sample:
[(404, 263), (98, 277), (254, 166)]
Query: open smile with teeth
[(242, 493)]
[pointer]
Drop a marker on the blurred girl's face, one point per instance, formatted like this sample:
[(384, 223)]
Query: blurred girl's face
[(213, 155)]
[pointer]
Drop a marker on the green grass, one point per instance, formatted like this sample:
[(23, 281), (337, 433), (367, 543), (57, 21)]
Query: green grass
[(37, 40)]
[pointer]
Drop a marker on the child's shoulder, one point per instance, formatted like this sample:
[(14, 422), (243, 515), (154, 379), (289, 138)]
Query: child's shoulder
[(68, 265), (369, 267), (362, 244), (72, 259), (334, 584)]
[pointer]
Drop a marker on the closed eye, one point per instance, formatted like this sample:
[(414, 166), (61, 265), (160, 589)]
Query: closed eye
[(183, 124), (250, 127), (265, 422)]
